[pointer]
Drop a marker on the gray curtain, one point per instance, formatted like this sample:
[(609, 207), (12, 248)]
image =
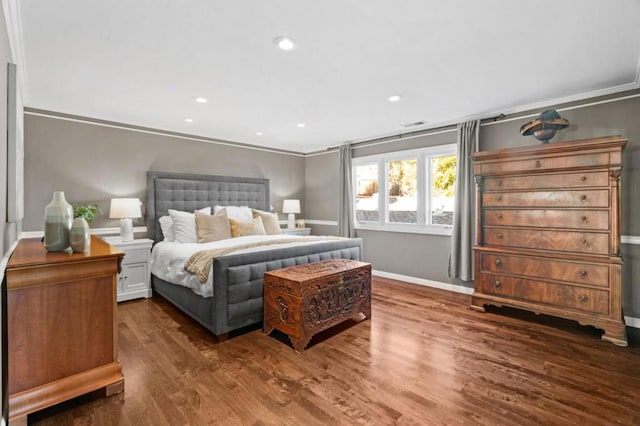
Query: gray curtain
[(345, 209), (462, 237)]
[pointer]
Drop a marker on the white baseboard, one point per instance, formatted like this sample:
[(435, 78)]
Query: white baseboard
[(632, 322), (94, 231), (629, 321), (420, 281)]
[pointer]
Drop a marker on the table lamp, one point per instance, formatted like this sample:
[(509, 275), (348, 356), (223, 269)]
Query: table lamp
[(125, 209), (292, 207)]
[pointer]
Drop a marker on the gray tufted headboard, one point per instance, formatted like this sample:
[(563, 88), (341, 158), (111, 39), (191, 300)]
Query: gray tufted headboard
[(187, 192)]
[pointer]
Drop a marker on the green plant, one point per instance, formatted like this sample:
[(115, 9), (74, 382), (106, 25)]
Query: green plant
[(88, 212)]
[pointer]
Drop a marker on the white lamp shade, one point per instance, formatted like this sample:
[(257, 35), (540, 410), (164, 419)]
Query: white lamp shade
[(291, 206), (125, 208)]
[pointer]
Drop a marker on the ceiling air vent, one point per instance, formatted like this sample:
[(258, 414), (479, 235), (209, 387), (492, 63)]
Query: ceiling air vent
[(417, 123)]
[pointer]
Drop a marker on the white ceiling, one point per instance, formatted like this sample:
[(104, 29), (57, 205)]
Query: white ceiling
[(143, 62)]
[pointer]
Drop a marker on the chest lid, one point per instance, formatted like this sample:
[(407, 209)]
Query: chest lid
[(317, 270)]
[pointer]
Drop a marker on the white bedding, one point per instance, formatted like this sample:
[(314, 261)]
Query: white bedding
[(168, 258)]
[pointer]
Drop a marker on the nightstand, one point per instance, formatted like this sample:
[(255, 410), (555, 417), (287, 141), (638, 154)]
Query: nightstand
[(296, 231), (133, 280)]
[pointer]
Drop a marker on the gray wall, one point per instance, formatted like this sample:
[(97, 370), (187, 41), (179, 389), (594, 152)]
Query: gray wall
[(426, 256), (93, 163)]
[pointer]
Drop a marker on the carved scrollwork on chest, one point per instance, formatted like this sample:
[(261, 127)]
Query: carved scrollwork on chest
[(336, 301)]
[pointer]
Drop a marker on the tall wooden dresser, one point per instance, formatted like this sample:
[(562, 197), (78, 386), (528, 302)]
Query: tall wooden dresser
[(61, 324), (548, 231)]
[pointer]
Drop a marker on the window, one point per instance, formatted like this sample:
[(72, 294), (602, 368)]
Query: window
[(417, 186)]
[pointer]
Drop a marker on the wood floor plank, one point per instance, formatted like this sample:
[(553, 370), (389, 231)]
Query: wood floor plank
[(423, 358)]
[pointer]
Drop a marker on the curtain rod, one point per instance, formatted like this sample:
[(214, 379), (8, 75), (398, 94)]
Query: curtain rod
[(413, 134)]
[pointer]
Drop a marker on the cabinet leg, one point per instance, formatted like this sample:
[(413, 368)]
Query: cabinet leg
[(300, 344), (615, 334), (367, 312), (114, 388), (267, 328), (222, 337)]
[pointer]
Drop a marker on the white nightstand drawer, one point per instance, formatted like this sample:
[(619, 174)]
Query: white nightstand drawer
[(296, 231), (135, 256)]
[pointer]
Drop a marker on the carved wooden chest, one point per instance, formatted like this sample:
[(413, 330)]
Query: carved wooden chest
[(305, 299)]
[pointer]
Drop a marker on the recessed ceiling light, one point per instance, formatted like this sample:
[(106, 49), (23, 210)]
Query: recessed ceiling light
[(201, 100), (285, 43), (188, 120), (258, 133), (301, 125), (395, 98)]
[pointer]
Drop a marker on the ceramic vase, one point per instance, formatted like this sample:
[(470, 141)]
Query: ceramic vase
[(79, 237), (58, 217)]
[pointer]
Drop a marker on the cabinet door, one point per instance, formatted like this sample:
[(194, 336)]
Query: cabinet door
[(134, 277)]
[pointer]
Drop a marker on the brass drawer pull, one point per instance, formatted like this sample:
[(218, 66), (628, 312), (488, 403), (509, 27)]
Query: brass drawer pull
[(500, 183), (498, 262), (499, 198), (584, 273), (583, 298), (538, 164), (498, 284), (583, 178), (585, 243), (499, 236), (500, 216), (584, 219), (583, 198)]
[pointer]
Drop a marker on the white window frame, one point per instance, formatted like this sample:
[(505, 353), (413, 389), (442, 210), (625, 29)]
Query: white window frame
[(423, 156)]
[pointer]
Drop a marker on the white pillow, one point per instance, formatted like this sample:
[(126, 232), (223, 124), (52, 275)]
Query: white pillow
[(166, 224), (184, 225), (240, 214)]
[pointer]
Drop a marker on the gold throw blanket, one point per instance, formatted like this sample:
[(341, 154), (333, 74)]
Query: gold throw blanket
[(200, 262)]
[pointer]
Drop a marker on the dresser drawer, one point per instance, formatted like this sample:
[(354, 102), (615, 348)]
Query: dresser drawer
[(547, 163), (572, 198), (573, 272), (567, 241), (577, 298), (544, 181), (554, 218)]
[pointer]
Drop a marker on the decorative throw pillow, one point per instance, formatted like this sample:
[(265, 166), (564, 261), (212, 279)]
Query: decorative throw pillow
[(269, 220), (212, 228), (166, 225), (241, 214), (184, 225), (240, 229)]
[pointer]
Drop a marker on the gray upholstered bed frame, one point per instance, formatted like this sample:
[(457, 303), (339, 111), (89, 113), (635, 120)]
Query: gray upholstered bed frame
[(237, 279)]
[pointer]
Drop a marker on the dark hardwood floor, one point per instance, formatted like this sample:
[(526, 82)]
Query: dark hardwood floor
[(424, 358)]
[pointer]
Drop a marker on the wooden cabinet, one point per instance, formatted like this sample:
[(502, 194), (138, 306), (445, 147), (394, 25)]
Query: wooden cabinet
[(548, 231), (134, 279), (61, 321), (305, 299)]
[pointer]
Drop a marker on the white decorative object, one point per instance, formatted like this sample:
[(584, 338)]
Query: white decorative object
[(291, 207), (125, 209)]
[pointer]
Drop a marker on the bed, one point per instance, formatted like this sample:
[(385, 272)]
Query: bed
[(237, 278)]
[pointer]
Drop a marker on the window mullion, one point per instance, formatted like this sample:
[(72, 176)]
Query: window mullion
[(420, 190), (429, 188), (382, 197)]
